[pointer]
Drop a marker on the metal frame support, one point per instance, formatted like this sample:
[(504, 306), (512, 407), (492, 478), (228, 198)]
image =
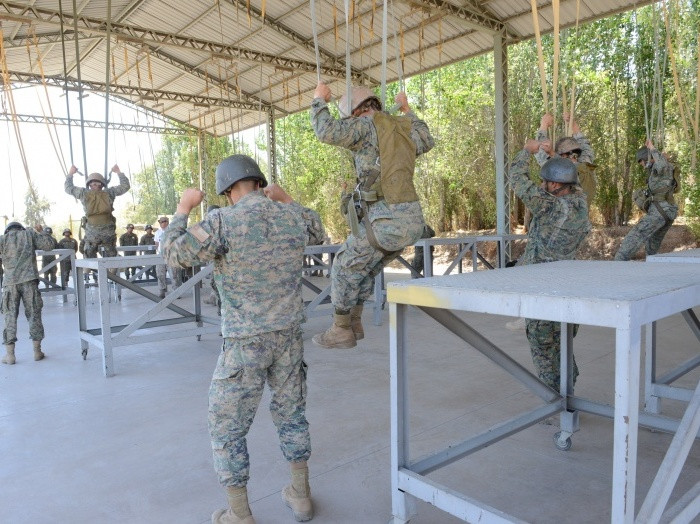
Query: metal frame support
[(500, 62), (271, 145)]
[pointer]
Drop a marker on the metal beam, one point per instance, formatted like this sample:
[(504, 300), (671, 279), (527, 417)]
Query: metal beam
[(473, 16), (115, 126), (142, 93), (141, 35)]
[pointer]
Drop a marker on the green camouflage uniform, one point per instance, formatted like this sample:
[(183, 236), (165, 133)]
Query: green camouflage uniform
[(257, 247), (558, 226), (50, 275), (652, 228), (66, 266), (316, 235), (149, 239), (129, 239), (102, 235), (21, 281), (394, 225)]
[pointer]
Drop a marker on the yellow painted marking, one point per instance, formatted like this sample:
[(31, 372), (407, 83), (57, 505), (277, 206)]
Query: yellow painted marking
[(417, 296)]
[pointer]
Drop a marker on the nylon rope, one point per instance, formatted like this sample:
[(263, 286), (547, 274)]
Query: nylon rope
[(540, 54), (348, 65), (314, 30), (65, 80), (674, 69), (385, 25), (107, 173), (399, 58), (555, 68), (7, 86), (80, 85), (570, 128)]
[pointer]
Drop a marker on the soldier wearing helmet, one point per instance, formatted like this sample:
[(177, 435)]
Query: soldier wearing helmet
[(129, 239), (148, 239), (576, 148), (558, 227), (98, 200), (21, 284), (658, 203), (67, 242), (256, 244), (383, 211), (49, 274)]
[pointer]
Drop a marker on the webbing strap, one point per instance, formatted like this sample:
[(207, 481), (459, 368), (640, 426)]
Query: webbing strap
[(348, 65), (314, 30), (371, 238)]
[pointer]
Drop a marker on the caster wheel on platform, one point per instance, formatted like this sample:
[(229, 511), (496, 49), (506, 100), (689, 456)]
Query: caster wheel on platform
[(562, 445)]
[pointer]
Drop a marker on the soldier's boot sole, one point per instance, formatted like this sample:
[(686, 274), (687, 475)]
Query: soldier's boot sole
[(226, 516), (301, 507), (9, 358)]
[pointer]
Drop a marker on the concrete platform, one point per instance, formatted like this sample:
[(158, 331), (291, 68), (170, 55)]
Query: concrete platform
[(76, 447)]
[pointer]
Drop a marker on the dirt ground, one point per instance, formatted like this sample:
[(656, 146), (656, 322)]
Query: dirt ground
[(601, 244)]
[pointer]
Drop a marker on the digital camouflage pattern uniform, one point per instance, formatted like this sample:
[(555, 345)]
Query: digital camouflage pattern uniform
[(316, 233), (66, 266), (129, 239), (652, 227), (395, 225), (99, 235), (149, 239), (257, 248), (21, 281), (50, 274), (559, 225)]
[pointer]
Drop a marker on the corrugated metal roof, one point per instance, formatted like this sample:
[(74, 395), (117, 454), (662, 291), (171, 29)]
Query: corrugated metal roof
[(219, 65)]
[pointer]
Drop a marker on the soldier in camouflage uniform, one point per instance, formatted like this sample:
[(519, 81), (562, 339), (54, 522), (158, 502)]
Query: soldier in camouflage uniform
[(129, 239), (576, 148), (50, 274), (661, 209), (559, 225), (316, 235), (257, 246), (392, 217), (17, 247), (67, 242), (100, 231), (149, 239)]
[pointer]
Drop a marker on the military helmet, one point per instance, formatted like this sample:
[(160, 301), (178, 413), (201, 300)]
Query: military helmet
[(148, 226), (358, 96), (235, 168), (13, 225), (643, 154), (567, 145), (95, 177), (48, 230), (130, 226), (67, 231), (560, 170)]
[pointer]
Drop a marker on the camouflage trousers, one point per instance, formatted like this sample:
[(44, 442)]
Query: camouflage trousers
[(650, 230), (66, 268), (102, 236), (28, 293), (162, 276), (244, 365), (545, 346), (358, 262)]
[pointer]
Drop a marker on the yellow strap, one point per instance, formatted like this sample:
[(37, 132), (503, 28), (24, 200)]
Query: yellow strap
[(540, 54)]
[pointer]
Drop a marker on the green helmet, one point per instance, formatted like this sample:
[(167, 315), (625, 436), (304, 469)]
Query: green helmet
[(560, 170), (95, 177), (235, 168), (13, 225)]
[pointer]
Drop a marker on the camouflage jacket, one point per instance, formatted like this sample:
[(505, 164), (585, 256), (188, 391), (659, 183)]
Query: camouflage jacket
[(68, 243), (17, 249), (113, 192), (660, 174), (559, 224), (587, 155), (45, 259), (147, 240), (129, 239), (257, 246), (316, 233), (359, 135)]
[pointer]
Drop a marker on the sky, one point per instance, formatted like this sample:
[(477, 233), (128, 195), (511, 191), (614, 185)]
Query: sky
[(131, 151)]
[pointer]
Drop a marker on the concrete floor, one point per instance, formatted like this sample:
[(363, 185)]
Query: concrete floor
[(76, 447)]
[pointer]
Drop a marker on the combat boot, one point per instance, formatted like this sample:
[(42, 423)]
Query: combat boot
[(297, 495), (38, 353), (339, 335), (238, 511), (356, 322), (10, 357)]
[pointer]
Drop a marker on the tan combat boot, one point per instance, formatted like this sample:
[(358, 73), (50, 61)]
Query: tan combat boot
[(339, 335), (10, 357), (297, 495), (38, 353), (356, 322), (238, 511)]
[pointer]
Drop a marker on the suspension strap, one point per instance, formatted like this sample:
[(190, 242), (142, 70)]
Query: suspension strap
[(314, 30), (108, 173), (385, 24), (348, 64), (65, 80), (80, 83)]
